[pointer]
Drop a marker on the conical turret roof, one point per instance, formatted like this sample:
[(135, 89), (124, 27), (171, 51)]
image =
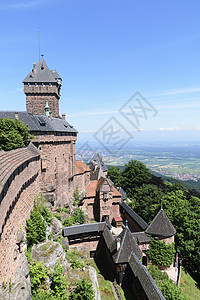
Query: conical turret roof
[(161, 226)]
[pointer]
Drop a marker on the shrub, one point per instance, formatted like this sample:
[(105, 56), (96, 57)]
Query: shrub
[(59, 284), (83, 291), (79, 216), (38, 274), (35, 228), (160, 253)]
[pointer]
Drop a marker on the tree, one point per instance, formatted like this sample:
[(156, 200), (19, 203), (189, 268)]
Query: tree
[(160, 253), (35, 227), (115, 175), (133, 176), (79, 216), (13, 134), (83, 291), (146, 201)]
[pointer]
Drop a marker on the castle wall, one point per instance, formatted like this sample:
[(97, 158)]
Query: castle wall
[(19, 185), (57, 167)]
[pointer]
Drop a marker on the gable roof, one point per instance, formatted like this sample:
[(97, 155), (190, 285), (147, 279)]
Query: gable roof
[(39, 123), (161, 226), (127, 245), (81, 167), (42, 74)]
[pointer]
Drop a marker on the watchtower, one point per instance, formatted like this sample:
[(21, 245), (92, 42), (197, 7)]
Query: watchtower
[(42, 85)]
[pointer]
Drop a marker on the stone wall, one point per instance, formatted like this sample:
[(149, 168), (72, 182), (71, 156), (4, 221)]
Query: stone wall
[(57, 167), (19, 179), (36, 97)]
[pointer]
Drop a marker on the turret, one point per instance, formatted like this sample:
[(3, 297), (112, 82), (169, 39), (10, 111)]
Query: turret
[(42, 85)]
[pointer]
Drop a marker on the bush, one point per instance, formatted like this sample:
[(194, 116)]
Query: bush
[(35, 228), (42, 208), (160, 253), (59, 284), (38, 274), (83, 291), (79, 216), (69, 221)]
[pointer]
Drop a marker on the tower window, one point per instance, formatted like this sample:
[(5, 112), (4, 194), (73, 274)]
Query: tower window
[(43, 84), (50, 84), (36, 84), (29, 84)]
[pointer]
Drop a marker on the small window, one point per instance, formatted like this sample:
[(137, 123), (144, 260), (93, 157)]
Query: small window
[(36, 84), (50, 84), (29, 84), (43, 84)]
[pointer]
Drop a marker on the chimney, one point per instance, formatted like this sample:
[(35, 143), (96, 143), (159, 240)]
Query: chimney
[(118, 243), (16, 115), (34, 67), (63, 116), (50, 115)]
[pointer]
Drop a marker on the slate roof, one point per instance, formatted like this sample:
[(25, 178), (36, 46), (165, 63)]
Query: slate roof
[(161, 226), (39, 123), (148, 284), (98, 160), (84, 229), (127, 245), (42, 74), (134, 215), (123, 193), (141, 237)]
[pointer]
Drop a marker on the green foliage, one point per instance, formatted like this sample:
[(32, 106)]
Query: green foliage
[(146, 201), (58, 216), (38, 274), (64, 209), (42, 208), (77, 263), (13, 134), (134, 175), (115, 175), (79, 216), (160, 253), (69, 221), (168, 288), (76, 196), (59, 284), (35, 228), (83, 291)]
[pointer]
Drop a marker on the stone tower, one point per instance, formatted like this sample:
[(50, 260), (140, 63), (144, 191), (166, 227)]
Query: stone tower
[(41, 86)]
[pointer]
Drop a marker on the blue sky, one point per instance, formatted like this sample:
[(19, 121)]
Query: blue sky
[(105, 51)]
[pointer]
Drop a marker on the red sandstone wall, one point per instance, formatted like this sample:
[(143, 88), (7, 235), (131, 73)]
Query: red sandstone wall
[(15, 208), (58, 164)]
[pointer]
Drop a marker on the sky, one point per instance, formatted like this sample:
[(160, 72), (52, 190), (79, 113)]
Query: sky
[(126, 65)]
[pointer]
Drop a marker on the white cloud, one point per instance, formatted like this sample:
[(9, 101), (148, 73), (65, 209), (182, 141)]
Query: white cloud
[(23, 4)]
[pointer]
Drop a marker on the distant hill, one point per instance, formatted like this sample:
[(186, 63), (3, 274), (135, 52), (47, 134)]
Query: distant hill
[(189, 184)]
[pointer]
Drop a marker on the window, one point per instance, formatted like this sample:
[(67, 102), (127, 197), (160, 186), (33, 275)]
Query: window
[(43, 84), (29, 84), (36, 84), (50, 84)]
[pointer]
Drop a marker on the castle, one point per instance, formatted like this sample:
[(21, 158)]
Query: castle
[(49, 162)]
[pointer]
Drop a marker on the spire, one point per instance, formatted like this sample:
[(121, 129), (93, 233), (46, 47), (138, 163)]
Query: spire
[(47, 109)]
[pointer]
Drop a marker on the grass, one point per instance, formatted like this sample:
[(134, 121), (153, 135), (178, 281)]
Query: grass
[(189, 286)]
